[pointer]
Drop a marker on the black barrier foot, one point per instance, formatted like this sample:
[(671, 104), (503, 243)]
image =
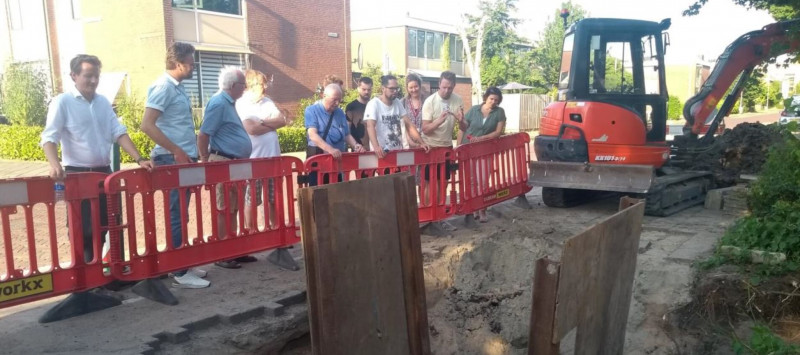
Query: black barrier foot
[(469, 221), (154, 290), (522, 202), (78, 304), (283, 259)]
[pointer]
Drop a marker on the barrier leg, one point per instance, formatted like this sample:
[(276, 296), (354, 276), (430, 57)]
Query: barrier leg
[(281, 258), (469, 221), (154, 290), (522, 202), (77, 304)]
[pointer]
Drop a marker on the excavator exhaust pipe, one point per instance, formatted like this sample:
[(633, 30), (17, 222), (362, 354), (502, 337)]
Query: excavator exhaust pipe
[(603, 177)]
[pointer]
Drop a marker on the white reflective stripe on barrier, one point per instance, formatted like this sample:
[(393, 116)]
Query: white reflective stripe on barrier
[(240, 171), (405, 158), (367, 161), (13, 193), (192, 176)]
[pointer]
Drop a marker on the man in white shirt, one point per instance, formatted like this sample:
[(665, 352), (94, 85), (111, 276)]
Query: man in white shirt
[(86, 127), (385, 118)]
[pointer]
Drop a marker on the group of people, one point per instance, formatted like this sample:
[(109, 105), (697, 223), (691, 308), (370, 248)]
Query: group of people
[(240, 122)]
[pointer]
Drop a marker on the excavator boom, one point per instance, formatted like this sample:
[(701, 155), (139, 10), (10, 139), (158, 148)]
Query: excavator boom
[(741, 56)]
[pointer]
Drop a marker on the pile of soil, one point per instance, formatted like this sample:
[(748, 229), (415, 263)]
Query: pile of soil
[(725, 299), (741, 150)]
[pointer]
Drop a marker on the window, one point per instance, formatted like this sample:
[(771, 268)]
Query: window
[(611, 68), (15, 14), (456, 48), (204, 83), (426, 44), (412, 43), (233, 7), (566, 62)]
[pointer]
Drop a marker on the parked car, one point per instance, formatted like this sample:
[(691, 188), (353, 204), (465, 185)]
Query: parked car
[(791, 112)]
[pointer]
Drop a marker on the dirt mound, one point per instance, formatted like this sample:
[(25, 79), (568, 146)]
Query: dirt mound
[(741, 150), (724, 298)]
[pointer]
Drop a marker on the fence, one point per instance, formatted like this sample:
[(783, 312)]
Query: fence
[(48, 260), (524, 111), (45, 258)]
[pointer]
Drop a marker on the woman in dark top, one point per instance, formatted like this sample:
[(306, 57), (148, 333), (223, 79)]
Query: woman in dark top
[(483, 122)]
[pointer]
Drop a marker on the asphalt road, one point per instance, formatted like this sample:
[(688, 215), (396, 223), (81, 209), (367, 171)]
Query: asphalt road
[(765, 118)]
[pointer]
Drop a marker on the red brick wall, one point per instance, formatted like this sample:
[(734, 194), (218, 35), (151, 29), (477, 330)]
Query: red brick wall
[(289, 40), (464, 89), (170, 37)]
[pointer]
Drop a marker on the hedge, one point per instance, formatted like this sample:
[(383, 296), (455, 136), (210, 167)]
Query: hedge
[(22, 142)]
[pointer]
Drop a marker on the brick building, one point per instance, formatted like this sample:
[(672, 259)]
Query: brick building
[(298, 41)]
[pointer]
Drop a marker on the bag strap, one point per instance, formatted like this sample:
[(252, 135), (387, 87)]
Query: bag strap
[(328, 127)]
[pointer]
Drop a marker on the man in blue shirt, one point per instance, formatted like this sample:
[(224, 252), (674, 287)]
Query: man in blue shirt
[(326, 119), (168, 122), (222, 131)]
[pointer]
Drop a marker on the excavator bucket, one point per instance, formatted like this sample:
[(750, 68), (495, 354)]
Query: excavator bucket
[(603, 177)]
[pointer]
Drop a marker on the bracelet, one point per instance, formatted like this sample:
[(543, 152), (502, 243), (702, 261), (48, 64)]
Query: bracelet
[(140, 160)]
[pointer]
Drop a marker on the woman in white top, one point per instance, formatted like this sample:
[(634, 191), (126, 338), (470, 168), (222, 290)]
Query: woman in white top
[(261, 119)]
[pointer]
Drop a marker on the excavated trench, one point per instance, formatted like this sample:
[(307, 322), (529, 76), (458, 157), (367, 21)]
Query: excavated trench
[(478, 292)]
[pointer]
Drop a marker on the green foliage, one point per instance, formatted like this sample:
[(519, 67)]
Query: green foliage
[(754, 92), (19, 142), (144, 145), (774, 201), (764, 341), (446, 53), (24, 94), (493, 71), (547, 54), (292, 139), (674, 108), (300, 115), (130, 110)]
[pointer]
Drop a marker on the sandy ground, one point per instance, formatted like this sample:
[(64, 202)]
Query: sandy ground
[(478, 283)]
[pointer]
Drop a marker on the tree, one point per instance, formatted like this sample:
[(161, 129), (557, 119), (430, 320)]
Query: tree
[(779, 9), (547, 52), (446, 53), (473, 56), (25, 94)]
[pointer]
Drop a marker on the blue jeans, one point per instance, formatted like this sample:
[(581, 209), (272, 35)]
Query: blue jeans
[(174, 205)]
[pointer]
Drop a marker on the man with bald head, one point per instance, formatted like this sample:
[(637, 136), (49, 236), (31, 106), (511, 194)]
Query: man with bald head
[(327, 128)]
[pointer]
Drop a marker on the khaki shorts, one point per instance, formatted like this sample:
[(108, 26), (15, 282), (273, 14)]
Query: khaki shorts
[(233, 197)]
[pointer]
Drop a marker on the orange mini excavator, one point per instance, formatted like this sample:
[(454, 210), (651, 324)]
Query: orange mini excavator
[(607, 131)]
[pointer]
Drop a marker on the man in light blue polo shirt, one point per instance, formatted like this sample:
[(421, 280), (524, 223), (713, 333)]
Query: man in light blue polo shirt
[(168, 122), (223, 132)]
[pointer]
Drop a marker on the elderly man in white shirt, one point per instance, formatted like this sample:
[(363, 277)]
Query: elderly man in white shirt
[(86, 127)]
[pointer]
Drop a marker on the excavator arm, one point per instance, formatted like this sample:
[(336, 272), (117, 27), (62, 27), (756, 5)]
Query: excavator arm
[(741, 56)]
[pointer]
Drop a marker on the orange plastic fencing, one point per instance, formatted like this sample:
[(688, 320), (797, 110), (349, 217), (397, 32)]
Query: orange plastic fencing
[(435, 203), (141, 198), (492, 171), (40, 256)]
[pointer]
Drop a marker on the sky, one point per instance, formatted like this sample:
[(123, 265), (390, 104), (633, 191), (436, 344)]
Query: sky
[(718, 24)]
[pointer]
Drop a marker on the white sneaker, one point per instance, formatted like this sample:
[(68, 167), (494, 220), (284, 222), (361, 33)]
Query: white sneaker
[(197, 272), (190, 280)]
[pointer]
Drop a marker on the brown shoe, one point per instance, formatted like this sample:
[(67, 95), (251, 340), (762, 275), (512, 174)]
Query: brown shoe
[(228, 264)]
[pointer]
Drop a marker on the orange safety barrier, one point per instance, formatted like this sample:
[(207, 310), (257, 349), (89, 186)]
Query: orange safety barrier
[(144, 198), (42, 256), (492, 171), (429, 168)]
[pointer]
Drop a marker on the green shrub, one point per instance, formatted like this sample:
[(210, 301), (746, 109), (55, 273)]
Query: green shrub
[(774, 202), (24, 94), (20, 142), (130, 110), (292, 139), (142, 142), (764, 341), (674, 108)]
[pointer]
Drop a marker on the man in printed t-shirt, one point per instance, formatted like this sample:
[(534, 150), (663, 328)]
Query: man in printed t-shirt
[(385, 117)]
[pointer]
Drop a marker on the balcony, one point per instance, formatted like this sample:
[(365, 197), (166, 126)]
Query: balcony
[(210, 29)]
